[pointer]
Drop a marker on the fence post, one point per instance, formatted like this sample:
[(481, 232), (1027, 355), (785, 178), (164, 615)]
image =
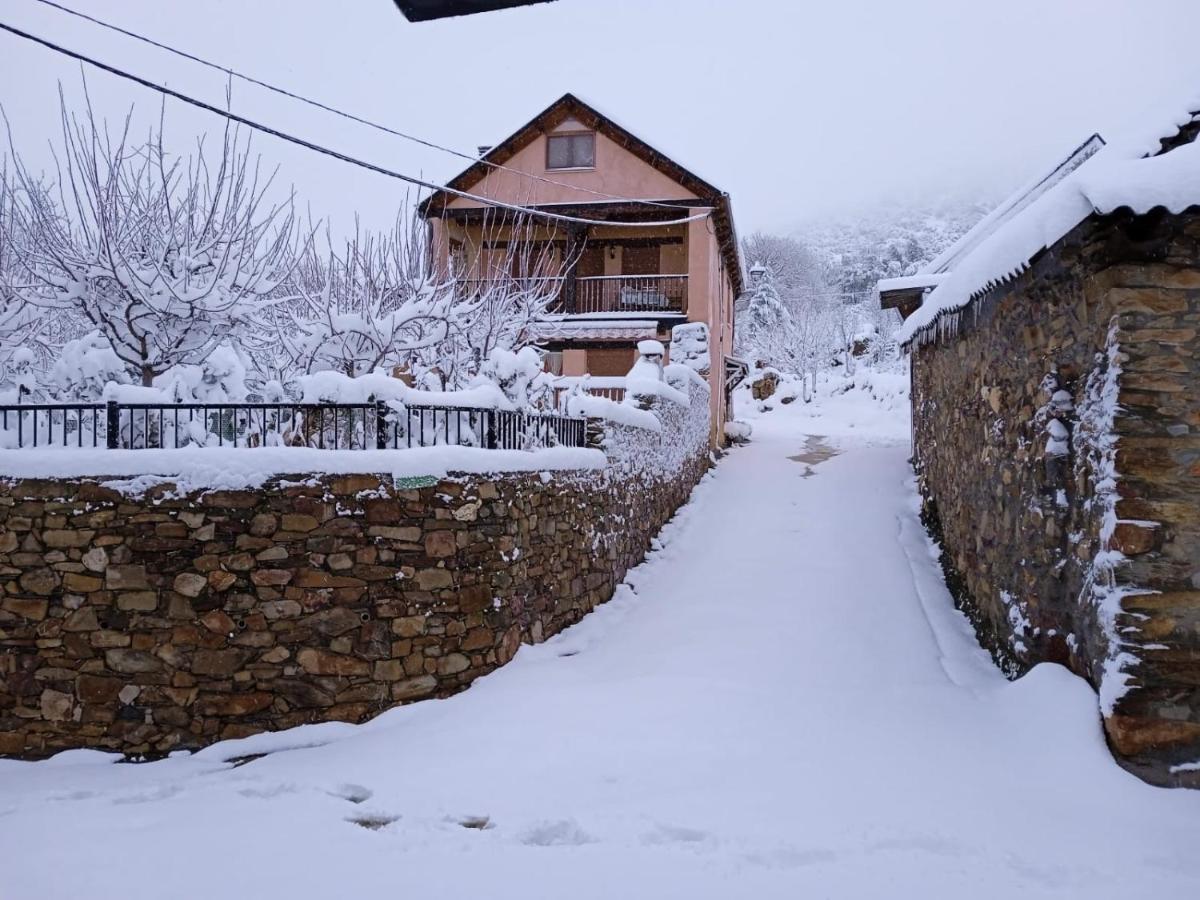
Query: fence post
[(491, 429), (114, 424), (381, 423)]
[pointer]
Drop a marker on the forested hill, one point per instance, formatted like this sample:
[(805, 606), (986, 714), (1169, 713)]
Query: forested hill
[(886, 241)]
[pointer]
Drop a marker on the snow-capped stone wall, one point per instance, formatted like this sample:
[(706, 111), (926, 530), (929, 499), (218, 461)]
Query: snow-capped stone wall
[(1057, 442), (178, 618)]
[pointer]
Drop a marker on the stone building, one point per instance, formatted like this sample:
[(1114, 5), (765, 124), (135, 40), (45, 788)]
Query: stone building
[(1056, 431)]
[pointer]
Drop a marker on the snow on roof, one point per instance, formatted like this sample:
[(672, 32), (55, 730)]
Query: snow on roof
[(597, 329), (908, 282), (1012, 205), (1171, 181), (1123, 173)]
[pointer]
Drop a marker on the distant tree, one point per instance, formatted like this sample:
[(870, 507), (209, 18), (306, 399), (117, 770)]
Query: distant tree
[(764, 328), (795, 269), (888, 241)]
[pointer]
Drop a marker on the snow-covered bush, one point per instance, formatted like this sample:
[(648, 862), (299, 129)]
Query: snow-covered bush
[(219, 378), (513, 373), (689, 346), (85, 366), (738, 431), (18, 379)]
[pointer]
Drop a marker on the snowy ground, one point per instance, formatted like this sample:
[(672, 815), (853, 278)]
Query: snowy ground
[(780, 703)]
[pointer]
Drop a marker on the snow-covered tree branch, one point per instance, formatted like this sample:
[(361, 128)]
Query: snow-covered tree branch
[(164, 257)]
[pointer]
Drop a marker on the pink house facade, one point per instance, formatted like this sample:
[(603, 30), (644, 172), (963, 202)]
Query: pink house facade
[(660, 250)]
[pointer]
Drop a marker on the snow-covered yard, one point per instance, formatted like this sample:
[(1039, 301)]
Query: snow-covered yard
[(781, 702)]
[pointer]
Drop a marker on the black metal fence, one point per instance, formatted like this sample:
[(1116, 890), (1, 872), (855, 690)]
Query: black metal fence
[(342, 426)]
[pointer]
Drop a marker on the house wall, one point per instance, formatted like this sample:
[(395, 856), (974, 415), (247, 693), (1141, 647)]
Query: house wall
[(620, 173), (617, 173), (1090, 559)]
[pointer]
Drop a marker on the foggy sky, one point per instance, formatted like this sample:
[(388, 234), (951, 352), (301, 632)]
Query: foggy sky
[(797, 109)]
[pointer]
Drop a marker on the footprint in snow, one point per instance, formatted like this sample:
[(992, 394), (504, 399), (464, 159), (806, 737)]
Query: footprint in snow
[(266, 793), (355, 793), (60, 796), (373, 821), (563, 833), (159, 793), (478, 823), (792, 857), (675, 834)]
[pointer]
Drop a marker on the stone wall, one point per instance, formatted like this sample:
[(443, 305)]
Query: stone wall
[(150, 623), (1057, 442)]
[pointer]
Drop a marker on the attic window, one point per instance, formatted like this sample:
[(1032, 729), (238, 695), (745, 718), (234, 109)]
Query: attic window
[(571, 151)]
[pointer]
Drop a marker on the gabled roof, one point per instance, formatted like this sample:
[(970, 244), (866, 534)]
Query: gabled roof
[(568, 106), (1159, 167)]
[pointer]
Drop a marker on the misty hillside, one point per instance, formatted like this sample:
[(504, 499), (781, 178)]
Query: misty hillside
[(886, 241)]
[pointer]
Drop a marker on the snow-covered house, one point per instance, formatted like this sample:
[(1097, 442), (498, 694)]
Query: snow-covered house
[(1056, 429), (644, 244)]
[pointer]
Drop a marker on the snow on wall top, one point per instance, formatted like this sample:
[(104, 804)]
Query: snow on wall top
[(1121, 174), (228, 468)]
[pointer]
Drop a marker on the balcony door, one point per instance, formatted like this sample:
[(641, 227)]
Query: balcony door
[(640, 260), (591, 262)]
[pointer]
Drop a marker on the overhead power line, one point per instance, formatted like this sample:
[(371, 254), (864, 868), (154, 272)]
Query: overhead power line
[(317, 104), (335, 154)]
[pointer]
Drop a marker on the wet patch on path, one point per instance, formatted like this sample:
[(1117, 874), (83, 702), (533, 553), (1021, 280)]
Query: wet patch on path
[(815, 452)]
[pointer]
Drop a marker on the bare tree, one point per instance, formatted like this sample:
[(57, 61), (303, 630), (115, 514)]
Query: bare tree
[(28, 338), (165, 257), (377, 303), (360, 308), (796, 270), (522, 265)]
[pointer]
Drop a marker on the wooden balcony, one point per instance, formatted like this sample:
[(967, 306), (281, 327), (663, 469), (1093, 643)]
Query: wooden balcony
[(617, 294), (631, 294)]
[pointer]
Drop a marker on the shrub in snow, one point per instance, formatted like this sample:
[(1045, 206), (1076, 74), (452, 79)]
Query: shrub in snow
[(85, 366), (513, 373), (689, 346), (19, 381), (271, 391), (219, 378), (645, 379), (738, 431)]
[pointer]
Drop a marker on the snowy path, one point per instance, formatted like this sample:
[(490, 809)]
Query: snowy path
[(783, 704)]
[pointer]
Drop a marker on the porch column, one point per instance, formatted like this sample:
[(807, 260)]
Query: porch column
[(576, 235)]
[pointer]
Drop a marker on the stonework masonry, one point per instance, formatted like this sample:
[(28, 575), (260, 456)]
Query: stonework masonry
[(1057, 443), (158, 622)]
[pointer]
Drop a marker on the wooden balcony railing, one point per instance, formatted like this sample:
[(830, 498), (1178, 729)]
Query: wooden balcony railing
[(631, 294), (601, 293)]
